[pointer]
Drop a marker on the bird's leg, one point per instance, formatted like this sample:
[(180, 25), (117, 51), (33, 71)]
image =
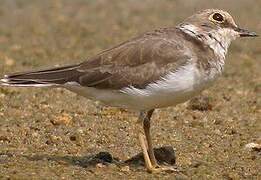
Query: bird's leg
[(147, 147), (146, 141), (146, 127), (146, 156), (143, 142)]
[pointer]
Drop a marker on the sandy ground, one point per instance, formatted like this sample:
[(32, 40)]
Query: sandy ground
[(55, 134)]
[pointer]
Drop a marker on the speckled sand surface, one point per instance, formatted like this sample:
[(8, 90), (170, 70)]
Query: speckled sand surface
[(51, 133)]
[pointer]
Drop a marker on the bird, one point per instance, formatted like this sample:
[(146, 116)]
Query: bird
[(156, 69)]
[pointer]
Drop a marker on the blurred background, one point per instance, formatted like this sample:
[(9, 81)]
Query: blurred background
[(66, 31), (61, 127)]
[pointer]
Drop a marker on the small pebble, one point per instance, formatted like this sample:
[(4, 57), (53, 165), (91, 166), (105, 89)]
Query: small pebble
[(253, 146), (100, 165), (125, 169), (200, 103), (54, 139), (4, 138), (63, 119)]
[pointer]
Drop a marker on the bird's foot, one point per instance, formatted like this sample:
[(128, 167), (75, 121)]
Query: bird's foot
[(162, 168)]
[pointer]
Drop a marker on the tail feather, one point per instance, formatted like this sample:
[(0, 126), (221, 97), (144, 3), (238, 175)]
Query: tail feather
[(42, 78)]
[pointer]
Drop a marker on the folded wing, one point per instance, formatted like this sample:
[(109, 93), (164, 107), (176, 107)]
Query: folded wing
[(133, 63)]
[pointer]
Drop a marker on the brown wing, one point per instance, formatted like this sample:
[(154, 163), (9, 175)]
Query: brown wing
[(133, 63), (137, 62)]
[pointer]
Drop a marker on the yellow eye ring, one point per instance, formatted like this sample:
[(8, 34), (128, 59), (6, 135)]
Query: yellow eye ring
[(217, 17)]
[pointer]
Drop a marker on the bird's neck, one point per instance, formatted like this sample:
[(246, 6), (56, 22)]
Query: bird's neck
[(217, 40)]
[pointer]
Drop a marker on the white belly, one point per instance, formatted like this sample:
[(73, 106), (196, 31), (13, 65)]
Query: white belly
[(175, 88)]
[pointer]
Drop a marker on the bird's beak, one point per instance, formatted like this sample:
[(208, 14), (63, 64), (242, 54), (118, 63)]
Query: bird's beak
[(245, 33)]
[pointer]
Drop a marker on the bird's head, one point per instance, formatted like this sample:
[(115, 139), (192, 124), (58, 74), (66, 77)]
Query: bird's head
[(214, 27)]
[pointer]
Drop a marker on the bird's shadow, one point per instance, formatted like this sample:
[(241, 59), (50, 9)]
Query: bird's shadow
[(165, 155)]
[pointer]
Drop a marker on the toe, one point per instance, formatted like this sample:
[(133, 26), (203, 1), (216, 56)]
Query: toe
[(158, 169)]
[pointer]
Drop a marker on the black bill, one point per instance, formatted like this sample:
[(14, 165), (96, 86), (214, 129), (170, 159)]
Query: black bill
[(245, 33)]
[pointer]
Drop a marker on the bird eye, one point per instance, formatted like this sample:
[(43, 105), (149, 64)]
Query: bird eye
[(218, 17)]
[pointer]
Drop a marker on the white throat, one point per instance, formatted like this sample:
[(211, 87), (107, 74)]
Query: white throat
[(218, 40)]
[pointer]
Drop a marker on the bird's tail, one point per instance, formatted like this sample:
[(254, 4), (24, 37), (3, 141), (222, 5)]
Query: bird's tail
[(43, 78)]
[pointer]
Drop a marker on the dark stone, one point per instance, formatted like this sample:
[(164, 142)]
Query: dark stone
[(164, 155), (200, 103)]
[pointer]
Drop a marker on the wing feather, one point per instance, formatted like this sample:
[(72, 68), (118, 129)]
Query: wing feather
[(136, 63)]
